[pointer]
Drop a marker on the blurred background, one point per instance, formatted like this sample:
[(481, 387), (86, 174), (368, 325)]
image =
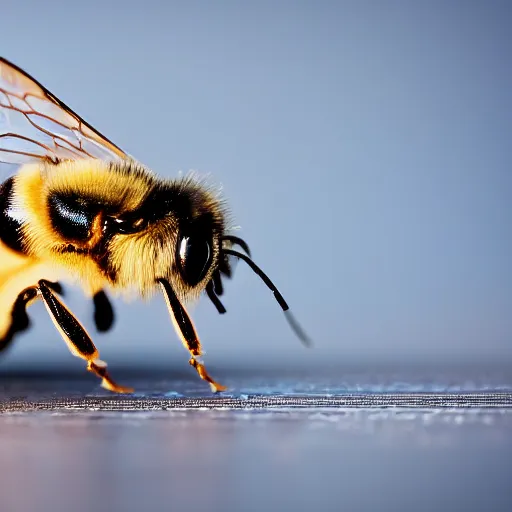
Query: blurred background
[(363, 147), (365, 150)]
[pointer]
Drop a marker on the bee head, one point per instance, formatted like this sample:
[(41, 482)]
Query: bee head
[(175, 234)]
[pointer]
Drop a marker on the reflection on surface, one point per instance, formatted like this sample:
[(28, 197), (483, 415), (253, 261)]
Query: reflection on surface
[(253, 460), (228, 460)]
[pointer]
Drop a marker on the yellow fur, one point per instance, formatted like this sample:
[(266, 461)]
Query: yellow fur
[(106, 224), (138, 258)]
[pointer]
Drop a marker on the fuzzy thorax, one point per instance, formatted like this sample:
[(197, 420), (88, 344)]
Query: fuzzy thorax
[(113, 195)]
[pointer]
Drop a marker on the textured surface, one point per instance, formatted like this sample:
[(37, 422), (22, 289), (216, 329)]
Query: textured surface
[(360, 401), (369, 441)]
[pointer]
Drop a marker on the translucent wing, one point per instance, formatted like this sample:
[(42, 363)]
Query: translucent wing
[(34, 125)]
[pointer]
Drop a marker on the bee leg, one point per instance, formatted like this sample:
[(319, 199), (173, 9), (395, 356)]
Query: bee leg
[(103, 311), (56, 287), (185, 329), (19, 318), (76, 337)]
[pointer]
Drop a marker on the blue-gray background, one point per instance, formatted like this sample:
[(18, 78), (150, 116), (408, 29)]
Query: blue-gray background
[(364, 148)]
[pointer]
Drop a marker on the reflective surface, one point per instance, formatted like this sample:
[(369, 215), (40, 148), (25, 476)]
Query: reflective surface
[(247, 461), (353, 459)]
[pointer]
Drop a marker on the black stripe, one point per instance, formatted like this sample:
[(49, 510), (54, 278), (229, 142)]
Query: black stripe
[(11, 232)]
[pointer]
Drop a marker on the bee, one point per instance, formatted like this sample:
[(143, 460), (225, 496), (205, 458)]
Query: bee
[(75, 207)]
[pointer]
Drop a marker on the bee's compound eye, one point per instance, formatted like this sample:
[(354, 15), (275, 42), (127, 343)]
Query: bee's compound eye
[(194, 259)]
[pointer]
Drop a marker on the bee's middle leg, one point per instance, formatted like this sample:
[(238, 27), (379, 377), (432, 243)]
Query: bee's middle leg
[(76, 337), (103, 311)]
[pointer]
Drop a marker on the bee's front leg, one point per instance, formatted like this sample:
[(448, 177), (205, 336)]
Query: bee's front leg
[(76, 337), (186, 331)]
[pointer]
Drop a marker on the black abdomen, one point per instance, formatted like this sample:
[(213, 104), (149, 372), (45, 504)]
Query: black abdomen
[(11, 218)]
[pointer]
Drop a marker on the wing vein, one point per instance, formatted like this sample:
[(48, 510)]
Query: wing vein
[(33, 114)]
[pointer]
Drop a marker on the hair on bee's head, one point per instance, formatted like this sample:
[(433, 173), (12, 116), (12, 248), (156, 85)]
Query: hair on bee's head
[(176, 231)]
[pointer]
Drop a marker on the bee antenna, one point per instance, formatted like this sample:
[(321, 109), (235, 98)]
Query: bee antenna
[(294, 324), (213, 297), (237, 241)]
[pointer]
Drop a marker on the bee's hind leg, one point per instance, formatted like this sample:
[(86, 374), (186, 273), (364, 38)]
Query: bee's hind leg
[(19, 319), (75, 336)]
